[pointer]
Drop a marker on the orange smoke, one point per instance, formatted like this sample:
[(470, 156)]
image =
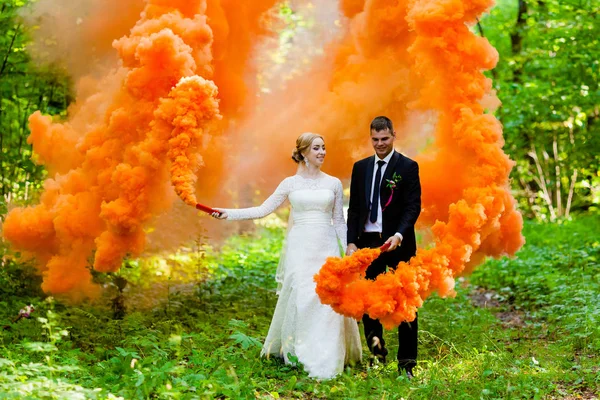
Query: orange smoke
[(153, 123), (365, 71), (394, 297), (78, 35), (128, 135), (464, 179)]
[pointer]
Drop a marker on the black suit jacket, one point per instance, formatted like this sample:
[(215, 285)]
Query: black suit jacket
[(402, 212)]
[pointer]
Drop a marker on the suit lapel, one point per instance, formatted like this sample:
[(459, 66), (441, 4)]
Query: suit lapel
[(385, 192), (369, 179)]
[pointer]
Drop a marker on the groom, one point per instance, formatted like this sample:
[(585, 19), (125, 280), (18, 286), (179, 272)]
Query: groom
[(385, 202)]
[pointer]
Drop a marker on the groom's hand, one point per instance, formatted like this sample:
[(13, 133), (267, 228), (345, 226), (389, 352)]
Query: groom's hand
[(394, 242), (351, 249)]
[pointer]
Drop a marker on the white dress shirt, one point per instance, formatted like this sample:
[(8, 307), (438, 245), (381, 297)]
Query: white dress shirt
[(377, 226)]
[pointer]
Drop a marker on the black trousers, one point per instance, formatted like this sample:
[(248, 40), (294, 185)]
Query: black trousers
[(407, 331)]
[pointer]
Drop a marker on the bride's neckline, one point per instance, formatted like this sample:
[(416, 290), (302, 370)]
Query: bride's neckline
[(321, 175)]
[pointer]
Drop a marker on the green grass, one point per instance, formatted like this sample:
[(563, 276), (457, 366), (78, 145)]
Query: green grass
[(206, 344)]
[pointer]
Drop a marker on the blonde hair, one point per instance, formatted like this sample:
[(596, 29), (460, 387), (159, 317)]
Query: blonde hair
[(302, 143)]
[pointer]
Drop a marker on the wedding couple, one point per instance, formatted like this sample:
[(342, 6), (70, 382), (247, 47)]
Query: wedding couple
[(385, 202)]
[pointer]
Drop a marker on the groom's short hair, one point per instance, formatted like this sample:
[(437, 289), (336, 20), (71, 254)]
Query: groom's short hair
[(382, 123)]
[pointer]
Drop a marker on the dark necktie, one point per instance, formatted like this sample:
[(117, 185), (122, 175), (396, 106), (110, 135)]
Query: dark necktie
[(375, 202)]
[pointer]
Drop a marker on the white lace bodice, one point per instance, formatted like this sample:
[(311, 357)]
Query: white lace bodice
[(314, 201)]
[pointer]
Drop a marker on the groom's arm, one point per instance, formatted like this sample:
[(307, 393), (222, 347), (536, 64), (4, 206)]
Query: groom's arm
[(411, 199), (354, 208)]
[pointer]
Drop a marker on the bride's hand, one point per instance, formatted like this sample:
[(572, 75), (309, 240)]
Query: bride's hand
[(220, 214)]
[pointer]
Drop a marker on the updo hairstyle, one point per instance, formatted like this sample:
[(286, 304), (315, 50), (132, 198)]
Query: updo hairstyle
[(303, 142)]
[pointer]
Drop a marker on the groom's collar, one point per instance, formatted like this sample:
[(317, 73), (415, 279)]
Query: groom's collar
[(387, 158)]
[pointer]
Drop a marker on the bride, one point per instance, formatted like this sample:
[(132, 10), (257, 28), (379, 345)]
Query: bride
[(322, 340)]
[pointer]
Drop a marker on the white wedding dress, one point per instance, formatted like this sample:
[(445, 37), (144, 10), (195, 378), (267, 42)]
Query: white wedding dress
[(322, 340)]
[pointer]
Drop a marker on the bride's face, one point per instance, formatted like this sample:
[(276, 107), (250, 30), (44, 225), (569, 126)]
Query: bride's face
[(316, 153)]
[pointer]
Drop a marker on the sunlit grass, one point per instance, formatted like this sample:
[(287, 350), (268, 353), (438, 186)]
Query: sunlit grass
[(206, 343)]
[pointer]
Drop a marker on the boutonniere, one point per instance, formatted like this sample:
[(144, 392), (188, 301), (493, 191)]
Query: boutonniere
[(392, 184)]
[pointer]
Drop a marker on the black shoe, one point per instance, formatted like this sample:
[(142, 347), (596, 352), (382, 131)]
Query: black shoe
[(379, 352), (408, 371)]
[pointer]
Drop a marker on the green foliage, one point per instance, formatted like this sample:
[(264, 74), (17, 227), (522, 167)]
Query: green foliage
[(24, 88), (209, 346), (35, 375), (548, 80), (560, 270), (539, 340)]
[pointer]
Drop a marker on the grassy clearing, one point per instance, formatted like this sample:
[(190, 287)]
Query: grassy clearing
[(522, 328)]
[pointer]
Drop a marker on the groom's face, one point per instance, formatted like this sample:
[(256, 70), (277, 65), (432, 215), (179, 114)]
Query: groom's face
[(383, 142)]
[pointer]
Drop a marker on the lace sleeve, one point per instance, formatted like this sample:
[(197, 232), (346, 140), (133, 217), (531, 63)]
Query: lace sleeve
[(266, 208), (338, 214)]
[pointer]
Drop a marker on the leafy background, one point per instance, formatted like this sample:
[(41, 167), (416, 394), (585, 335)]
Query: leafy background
[(526, 327)]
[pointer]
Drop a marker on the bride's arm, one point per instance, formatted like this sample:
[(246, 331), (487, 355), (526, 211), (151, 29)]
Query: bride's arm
[(266, 208), (339, 222)]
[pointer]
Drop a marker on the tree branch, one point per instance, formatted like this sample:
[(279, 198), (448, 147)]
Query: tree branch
[(482, 34), (530, 194), (12, 43), (541, 181)]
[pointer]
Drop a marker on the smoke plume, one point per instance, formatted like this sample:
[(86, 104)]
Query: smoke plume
[(180, 111)]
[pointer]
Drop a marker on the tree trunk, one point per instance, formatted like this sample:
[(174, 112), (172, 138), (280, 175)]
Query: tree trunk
[(542, 183), (557, 185), (516, 38), (2, 133), (570, 196)]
